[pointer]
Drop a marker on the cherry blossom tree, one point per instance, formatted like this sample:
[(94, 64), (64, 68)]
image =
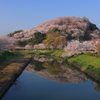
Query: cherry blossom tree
[(76, 47), (28, 47), (39, 46), (7, 42)]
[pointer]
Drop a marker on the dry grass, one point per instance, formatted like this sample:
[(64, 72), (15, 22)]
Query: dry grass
[(12, 65)]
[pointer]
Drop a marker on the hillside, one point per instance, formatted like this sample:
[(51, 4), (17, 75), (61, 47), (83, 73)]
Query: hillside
[(67, 25), (58, 33)]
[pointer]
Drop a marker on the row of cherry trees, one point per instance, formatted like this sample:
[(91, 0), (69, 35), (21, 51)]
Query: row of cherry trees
[(73, 47), (7, 42)]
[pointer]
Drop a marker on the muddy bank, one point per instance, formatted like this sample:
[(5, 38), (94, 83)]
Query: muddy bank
[(89, 73), (7, 85)]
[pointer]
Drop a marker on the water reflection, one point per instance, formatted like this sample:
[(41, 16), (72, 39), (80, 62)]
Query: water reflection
[(33, 87), (17, 86), (55, 70), (97, 86)]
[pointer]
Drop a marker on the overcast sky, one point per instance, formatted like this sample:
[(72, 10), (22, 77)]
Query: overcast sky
[(26, 14)]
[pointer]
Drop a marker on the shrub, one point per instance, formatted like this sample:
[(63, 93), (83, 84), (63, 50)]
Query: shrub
[(22, 43), (92, 54), (39, 37), (93, 27), (5, 55), (90, 67)]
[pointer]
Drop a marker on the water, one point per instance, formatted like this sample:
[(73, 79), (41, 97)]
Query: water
[(48, 79)]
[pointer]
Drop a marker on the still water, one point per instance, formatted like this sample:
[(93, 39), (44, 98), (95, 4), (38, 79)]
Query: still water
[(48, 79)]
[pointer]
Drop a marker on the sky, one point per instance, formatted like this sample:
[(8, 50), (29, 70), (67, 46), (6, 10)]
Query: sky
[(26, 14)]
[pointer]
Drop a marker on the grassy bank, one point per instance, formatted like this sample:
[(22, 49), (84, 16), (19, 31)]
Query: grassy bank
[(55, 54), (50, 52), (10, 64), (6, 55), (86, 62)]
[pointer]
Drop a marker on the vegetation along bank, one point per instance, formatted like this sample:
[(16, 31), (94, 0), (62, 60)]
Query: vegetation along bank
[(11, 66)]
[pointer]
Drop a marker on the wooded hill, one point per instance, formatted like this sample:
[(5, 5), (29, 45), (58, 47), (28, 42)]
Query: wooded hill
[(57, 33)]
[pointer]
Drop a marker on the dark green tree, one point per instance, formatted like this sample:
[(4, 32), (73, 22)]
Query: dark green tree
[(11, 34), (22, 43), (93, 27), (39, 37)]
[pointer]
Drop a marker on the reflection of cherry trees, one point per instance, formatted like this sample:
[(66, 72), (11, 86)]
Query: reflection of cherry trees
[(42, 59), (7, 42), (55, 70), (17, 85), (97, 86)]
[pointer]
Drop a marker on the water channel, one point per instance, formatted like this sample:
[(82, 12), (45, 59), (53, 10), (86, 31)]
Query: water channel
[(48, 79)]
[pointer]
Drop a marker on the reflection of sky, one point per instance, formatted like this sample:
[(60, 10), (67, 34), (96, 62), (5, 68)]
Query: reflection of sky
[(34, 87)]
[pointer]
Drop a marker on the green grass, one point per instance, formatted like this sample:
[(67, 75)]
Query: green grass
[(84, 60), (58, 52), (56, 58), (87, 62), (6, 55), (50, 52)]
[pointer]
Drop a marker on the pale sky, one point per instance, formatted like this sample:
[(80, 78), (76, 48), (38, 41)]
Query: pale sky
[(26, 14)]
